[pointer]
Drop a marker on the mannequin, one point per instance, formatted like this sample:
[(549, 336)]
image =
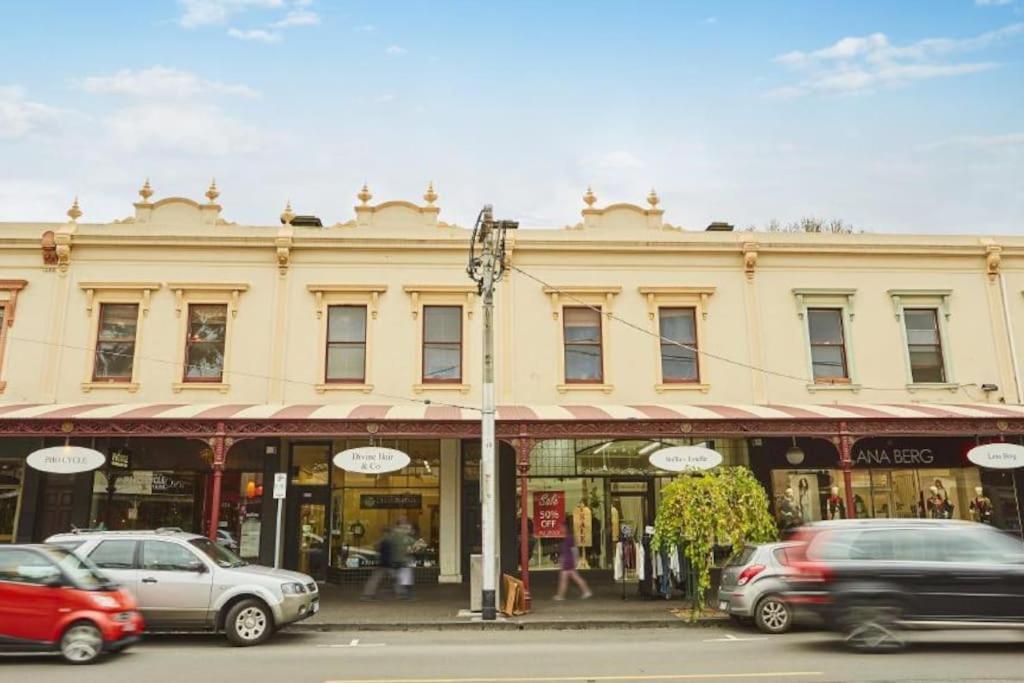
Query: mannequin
[(789, 512), (938, 506), (835, 505), (981, 506)]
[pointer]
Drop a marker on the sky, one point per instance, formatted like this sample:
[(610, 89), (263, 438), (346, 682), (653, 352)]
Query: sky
[(893, 116)]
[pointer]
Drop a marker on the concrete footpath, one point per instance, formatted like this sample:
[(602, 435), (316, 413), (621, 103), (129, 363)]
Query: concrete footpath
[(446, 607)]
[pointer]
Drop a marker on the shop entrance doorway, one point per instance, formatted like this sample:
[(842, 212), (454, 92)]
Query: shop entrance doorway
[(56, 506), (307, 546)]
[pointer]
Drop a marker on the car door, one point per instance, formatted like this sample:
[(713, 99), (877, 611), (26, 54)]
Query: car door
[(974, 586), (116, 557), (28, 607), (174, 585)]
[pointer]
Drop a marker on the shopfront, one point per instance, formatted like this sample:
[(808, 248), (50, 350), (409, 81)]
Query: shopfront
[(892, 477)]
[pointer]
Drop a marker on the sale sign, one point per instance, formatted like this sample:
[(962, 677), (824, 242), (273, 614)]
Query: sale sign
[(549, 514)]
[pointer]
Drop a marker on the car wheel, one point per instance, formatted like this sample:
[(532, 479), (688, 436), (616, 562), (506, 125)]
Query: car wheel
[(82, 643), (873, 627), (772, 615), (249, 622)]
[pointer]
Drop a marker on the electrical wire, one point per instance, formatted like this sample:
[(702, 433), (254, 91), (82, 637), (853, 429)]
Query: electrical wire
[(688, 347)]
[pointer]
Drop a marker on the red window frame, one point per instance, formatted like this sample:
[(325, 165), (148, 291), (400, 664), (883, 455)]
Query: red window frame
[(693, 344), (327, 348), (446, 344), (99, 329), (845, 379), (599, 344)]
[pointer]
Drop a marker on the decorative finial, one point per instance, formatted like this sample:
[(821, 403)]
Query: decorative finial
[(364, 194), (287, 216), (589, 197), (212, 193), (146, 192), (75, 212), (430, 195), (653, 199)]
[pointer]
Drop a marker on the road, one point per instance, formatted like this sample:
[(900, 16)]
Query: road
[(600, 656)]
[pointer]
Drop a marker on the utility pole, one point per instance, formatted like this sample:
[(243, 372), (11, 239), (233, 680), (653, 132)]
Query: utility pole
[(486, 270)]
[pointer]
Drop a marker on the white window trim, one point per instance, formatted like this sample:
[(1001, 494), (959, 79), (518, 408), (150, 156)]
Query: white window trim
[(463, 296), (836, 298), (99, 293), (186, 294), (939, 300), (9, 289), (696, 298), (328, 295), (602, 297)]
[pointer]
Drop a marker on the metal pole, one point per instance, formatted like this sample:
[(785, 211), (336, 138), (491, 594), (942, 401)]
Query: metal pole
[(488, 484), (277, 537)]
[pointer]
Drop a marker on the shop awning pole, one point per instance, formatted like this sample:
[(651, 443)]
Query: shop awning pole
[(218, 474), (846, 465)]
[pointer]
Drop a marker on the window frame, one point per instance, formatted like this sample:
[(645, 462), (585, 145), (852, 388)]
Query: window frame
[(599, 312), (940, 301), (219, 379), (460, 344), (938, 345), (115, 379), (695, 344), (127, 293), (840, 312), (328, 344)]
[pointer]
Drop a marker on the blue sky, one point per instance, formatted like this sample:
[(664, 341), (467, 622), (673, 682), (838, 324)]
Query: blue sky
[(895, 116)]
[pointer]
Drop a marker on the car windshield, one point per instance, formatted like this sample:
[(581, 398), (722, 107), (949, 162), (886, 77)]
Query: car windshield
[(218, 553), (83, 573)]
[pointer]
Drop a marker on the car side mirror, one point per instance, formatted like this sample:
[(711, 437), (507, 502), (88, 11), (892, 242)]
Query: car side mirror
[(54, 581), (197, 567)]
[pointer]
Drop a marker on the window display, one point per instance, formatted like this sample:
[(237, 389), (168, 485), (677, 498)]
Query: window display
[(11, 472)]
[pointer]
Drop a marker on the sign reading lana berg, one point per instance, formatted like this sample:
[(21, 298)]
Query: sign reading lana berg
[(999, 456), (65, 459), (371, 460), (685, 458), (549, 514)]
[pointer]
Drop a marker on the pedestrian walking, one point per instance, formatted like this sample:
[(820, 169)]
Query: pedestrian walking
[(385, 565), (570, 558), (401, 541)]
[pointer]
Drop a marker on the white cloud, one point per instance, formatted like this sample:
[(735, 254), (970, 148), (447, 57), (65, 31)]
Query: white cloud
[(617, 159), (858, 64), (298, 17), (998, 142), (196, 13), (20, 117), (992, 3), (396, 50), (161, 82), (181, 128), (255, 34)]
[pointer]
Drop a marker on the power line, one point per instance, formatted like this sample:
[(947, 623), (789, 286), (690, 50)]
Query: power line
[(688, 347)]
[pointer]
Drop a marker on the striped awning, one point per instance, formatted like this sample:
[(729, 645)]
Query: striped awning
[(510, 413)]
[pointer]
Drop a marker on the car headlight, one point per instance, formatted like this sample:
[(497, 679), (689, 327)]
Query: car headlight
[(293, 588), (105, 602)]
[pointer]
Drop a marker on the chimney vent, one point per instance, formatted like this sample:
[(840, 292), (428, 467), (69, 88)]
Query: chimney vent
[(719, 226)]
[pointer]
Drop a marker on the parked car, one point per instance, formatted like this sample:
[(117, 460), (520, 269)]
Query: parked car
[(183, 581), (870, 579), (52, 600), (752, 586)]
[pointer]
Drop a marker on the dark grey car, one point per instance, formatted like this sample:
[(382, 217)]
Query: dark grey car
[(752, 586)]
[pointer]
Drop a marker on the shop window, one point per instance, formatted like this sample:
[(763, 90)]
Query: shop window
[(442, 344), (828, 345), (678, 328), (10, 498), (310, 464), (205, 342), (115, 342), (146, 499), (924, 345), (582, 339), (346, 344)]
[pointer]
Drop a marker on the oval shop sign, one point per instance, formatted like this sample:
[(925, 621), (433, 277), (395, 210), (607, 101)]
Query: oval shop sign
[(371, 460), (685, 458), (999, 456), (65, 459)]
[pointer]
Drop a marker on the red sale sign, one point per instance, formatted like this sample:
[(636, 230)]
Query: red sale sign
[(549, 514)]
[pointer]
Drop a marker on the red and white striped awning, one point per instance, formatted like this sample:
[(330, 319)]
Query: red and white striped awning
[(511, 413)]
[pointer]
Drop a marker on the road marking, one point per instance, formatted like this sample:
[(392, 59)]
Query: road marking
[(353, 643), (594, 679), (730, 638)]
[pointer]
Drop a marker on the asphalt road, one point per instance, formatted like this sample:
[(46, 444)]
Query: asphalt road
[(601, 656)]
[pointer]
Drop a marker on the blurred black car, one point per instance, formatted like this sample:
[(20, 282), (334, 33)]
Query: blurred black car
[(870, 579)]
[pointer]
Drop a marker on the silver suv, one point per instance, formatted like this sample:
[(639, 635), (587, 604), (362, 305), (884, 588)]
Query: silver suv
[(187, 582)]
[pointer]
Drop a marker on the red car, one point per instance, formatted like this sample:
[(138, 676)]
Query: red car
[(52, 600)]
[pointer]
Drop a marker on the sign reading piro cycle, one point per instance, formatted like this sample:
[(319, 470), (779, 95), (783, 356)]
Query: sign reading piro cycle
[(371, 460)]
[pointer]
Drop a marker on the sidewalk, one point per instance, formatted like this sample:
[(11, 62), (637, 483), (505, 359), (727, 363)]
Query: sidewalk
[(445, 606)]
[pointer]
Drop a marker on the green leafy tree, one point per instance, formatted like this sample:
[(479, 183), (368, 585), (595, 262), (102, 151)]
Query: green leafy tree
[(698, 511)]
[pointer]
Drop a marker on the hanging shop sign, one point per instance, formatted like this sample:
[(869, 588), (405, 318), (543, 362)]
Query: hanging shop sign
[(65, 459), (549, 514), (390, 501), (371, 460), (998, 456), (685, 458)]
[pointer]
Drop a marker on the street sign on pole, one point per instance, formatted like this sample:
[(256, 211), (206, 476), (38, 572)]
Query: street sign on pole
[(280, 491)]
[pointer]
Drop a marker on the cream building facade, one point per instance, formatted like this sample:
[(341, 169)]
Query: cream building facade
[(615, 324)]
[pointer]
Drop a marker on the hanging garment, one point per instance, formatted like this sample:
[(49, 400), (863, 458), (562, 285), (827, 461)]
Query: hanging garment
[(664, 585), (615, 523), (628, 554), (617, 565), (640, 562), (674, 563)]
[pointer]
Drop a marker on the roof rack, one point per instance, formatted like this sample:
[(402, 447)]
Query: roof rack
[(169, 530)]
